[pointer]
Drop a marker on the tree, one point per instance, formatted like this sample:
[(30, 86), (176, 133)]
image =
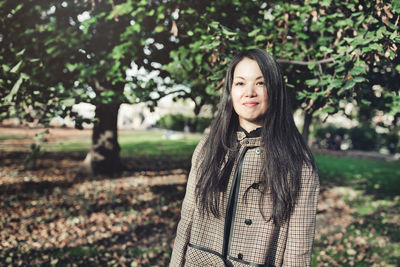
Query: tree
[(58, 53), (328, 49)]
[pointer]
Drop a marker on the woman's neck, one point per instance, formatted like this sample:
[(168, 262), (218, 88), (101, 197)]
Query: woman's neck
[(249, 126)]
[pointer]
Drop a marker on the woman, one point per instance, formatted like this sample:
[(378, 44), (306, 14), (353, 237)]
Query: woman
[(252, 191)]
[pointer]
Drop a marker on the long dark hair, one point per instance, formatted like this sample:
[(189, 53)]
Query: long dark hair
[(284, 151)]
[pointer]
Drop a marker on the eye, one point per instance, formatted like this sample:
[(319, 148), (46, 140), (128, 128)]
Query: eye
[(261, 83), (238, 83)]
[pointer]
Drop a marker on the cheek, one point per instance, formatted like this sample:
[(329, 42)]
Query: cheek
[(265, 96), (235, 97)]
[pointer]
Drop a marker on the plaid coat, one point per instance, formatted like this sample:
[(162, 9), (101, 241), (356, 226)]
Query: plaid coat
[(253, 241)]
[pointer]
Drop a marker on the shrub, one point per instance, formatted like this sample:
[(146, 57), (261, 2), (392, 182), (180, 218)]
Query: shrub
[(177, 122), (390, 141), (363, 138), (202, 124), (320, 133), (174, 122), (330, 137)]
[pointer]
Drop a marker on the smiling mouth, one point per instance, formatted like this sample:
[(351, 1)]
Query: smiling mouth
[(250, 104)]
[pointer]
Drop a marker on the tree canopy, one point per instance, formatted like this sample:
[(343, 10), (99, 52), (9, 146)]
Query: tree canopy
[(333, 53)]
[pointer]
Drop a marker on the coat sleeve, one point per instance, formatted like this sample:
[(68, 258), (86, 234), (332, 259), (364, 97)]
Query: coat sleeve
[(301, 230), (188, 206)]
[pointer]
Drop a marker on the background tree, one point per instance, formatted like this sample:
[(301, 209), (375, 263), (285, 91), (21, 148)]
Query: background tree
[(332, 52), (58, 53)]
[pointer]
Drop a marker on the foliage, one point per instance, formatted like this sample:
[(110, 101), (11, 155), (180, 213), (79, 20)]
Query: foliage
[(333, 52), (79, 52)]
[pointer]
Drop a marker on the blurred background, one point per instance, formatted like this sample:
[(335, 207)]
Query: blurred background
[(103, 102)]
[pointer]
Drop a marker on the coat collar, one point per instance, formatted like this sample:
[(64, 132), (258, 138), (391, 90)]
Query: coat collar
[(247, 141)]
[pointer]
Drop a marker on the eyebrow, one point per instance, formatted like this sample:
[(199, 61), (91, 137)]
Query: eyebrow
[(240, 77)]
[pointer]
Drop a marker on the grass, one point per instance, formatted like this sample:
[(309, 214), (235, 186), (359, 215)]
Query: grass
[(7, 137), (376, 177), (153, 144), (137, 144)]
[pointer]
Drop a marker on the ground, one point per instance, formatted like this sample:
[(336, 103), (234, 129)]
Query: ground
[(55, 215)]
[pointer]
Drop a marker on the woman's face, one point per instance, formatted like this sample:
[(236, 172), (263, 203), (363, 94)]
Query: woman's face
[(249, 94)]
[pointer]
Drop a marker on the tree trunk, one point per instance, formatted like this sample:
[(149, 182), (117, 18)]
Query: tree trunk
[(197, 109), (104, 156), (306, 126)]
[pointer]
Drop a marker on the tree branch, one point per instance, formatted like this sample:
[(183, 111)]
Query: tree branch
[(300, 62)]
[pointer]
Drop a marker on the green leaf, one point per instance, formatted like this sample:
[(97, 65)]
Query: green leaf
[(189, 11), (71, 67), (69, 102), (227, 31), (359, 79), (366, 102), (328, 110), (394, 35), (15, 10), (254, 32), (16, 68), (357, 70), (6, 68), (159, 28), (261, 38), (376, 47), (312, 82), (326, 49), (302, 36), (326, 3), (349, 84), (311, 66), (15, 88), (20, 53), (213, 45), (214, 25), (198, 59), (50, 50), (336, 83)]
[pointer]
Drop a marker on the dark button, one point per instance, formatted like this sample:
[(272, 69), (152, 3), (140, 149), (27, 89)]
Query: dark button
[(240, 256), (255, 186), (248, 221), (247, 142)]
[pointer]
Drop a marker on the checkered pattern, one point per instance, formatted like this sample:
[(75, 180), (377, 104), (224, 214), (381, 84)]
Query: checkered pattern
[(257, 242)]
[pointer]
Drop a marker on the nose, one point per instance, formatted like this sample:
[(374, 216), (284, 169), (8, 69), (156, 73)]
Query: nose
[(250, 90)]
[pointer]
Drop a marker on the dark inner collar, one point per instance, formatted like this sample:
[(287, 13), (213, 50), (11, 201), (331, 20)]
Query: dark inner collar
[(254, 133)]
